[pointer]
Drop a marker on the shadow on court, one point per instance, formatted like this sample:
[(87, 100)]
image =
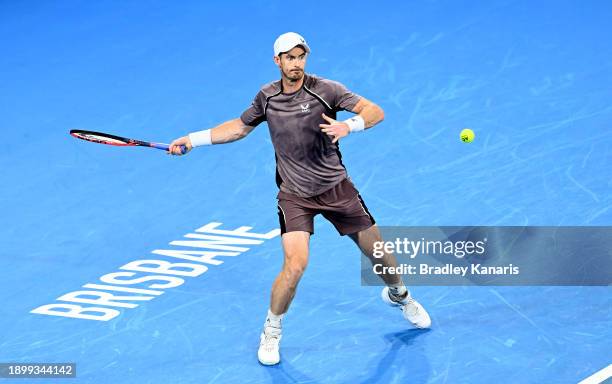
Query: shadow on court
[(412, 359), (287, 373), (404, 361)]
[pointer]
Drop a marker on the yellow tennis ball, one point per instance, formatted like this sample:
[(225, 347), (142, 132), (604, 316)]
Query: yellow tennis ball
[(467, 135)]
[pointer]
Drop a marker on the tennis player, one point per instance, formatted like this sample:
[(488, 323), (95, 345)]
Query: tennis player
[(300, 110)]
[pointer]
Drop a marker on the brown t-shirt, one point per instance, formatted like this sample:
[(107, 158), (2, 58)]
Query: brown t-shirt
[(307, 163)]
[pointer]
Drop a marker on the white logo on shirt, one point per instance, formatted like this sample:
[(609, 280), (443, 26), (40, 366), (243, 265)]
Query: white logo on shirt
[(305, 108)]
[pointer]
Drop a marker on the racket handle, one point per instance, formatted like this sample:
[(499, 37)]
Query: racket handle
[(166, 147)]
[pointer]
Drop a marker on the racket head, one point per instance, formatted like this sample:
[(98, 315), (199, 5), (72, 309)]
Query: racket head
[(101, 138)]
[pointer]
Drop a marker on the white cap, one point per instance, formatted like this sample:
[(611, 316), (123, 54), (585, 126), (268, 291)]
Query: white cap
[(288, 41)]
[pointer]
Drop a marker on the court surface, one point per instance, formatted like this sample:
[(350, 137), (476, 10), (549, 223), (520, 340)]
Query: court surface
[(532, 80)]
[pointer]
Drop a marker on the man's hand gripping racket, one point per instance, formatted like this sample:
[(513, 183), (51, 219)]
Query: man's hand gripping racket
[(180, 146)]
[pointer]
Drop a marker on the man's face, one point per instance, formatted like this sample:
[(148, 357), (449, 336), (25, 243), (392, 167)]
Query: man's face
[(292, 63)]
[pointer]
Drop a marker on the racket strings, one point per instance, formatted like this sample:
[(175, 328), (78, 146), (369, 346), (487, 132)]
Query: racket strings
[(100, 138)]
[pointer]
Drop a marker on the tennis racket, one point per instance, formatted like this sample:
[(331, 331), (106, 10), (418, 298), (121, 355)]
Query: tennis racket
[(105, 138)]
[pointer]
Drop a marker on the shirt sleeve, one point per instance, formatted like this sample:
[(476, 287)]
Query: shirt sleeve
[(255, 114), (344, 100)]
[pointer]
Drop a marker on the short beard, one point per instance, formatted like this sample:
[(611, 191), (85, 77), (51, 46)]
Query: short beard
[(292, 78)]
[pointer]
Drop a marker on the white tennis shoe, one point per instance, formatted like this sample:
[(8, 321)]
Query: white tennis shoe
[(269, 345), (412, 310)]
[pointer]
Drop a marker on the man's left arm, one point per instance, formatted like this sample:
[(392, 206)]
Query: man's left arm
[(367, 115), (371, 113)]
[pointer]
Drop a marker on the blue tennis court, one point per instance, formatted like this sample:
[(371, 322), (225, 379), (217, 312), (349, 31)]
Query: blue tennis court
[(532, 80)]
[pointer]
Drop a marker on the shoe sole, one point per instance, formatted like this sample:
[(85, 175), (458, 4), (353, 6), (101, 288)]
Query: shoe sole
[(268, 363)]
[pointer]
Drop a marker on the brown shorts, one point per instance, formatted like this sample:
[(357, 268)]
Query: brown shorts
[(341, 205)]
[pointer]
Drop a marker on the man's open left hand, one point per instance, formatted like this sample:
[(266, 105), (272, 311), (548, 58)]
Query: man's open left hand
[(334, 129)]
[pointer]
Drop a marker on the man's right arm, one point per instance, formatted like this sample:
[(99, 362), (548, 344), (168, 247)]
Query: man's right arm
[(227, 132)]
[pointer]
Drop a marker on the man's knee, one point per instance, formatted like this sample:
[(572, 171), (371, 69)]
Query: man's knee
[(293, 270), (366, 239)]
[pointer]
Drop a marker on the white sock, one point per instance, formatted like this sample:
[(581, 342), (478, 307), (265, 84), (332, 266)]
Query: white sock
[(399, 291), (273, 322)]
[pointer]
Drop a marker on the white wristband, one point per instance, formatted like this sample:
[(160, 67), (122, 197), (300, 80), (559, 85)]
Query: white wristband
[(200, 138), (355, 123)]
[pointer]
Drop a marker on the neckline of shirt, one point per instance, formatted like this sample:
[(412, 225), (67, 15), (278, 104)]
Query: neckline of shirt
[(299, 89)]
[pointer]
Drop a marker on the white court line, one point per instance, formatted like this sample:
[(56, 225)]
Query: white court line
[(599, 377)]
